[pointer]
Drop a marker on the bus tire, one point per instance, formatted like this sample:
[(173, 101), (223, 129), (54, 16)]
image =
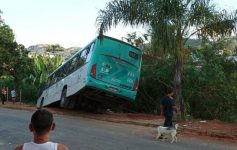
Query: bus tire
[(72, 103), (63, 99)]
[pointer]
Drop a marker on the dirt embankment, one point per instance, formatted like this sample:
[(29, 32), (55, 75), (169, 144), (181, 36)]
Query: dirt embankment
[(211, 130)]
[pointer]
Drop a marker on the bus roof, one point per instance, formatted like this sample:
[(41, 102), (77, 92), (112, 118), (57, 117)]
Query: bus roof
[(108, 37)]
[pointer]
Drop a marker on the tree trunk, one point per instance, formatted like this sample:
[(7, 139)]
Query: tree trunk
[(178, 89), (180, 53)]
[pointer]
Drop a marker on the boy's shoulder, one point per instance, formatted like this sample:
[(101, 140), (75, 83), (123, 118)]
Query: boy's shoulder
[(62, 147), (20, 147)]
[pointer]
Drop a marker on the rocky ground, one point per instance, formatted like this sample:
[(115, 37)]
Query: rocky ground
[(208, 130)]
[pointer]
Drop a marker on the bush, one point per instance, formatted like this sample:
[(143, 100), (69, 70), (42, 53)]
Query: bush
[(29, 93)]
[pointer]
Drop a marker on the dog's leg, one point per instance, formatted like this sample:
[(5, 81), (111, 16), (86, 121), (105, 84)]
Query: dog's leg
[(158, 135), (176, 139), (172, 139)]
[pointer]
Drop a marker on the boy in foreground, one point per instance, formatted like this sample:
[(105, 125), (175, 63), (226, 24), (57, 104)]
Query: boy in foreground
[(41, 124)]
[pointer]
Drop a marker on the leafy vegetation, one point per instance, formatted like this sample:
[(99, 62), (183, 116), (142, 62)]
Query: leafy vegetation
[(18, 71), (209, 82), (41, 67), (172, 23)]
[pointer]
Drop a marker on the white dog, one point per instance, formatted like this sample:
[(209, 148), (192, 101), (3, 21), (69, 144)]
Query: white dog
[(166, 131)]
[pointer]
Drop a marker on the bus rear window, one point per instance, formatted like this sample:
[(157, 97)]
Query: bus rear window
[(133, 55)]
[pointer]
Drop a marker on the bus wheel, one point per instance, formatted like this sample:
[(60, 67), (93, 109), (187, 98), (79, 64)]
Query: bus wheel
[(72, 103), (63, 99)]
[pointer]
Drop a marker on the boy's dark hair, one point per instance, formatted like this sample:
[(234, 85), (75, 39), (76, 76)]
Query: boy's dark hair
[(168, 90), (41, 121)]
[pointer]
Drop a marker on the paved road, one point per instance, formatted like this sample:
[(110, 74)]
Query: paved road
[(88, 134)]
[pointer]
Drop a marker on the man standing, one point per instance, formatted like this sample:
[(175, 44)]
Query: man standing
[(167, 106), (4, 94), (13, 96)]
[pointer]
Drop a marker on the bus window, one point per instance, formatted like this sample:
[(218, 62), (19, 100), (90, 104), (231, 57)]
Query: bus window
[(133, 55), (60, 74), (84, 55), (73, 64), (90, 52), (51, 80), (67, 67), (48, 82), (55, 76), (78, 62), (64, 72)]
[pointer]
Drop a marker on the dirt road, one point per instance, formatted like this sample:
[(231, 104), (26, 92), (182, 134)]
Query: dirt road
[(211, 130)]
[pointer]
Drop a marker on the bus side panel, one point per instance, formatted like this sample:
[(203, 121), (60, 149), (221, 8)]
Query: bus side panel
[(77, 80), (58, 88), (48, 99), (74, 82)]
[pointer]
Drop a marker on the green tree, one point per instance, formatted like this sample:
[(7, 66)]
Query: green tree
[(55, 48), (39, 69), (15, 65), (136, 40), (43, 66), (13, 59), (210, 83), (7, 45), (172, 23)]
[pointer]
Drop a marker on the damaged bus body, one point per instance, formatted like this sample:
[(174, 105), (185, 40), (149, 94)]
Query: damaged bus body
[(106, 71)]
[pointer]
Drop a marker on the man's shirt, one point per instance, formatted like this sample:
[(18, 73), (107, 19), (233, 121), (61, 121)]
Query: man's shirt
[(167, 104)]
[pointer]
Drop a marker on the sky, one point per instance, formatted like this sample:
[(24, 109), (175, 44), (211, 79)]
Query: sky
[(70, 23)]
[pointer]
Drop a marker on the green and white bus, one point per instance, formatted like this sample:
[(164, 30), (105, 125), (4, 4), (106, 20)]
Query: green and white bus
[(107, 70)]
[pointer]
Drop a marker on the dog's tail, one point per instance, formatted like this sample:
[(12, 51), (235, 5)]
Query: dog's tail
[(176, 126)]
